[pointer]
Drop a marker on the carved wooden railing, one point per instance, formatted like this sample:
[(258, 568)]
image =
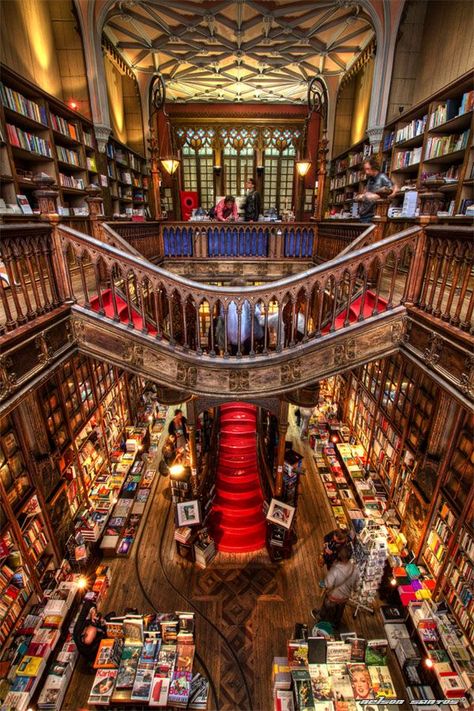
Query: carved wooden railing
[(446, 288), (187, 315), (334, 237), (258, 240), (143, 237), (29, 285)]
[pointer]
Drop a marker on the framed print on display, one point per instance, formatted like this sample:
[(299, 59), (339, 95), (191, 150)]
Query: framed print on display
[(188, 513), (280, 513)]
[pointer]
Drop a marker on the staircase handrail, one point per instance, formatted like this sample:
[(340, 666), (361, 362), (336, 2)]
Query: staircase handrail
[(111, 254)]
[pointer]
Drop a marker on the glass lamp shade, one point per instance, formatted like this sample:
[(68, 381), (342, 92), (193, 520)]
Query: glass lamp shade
[(171, 164), (302, 166)]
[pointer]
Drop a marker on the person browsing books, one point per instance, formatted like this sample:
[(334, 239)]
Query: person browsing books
[(89, 630), (177, 428), (226, 210), (376, 183), (332, 543), (339, 584)]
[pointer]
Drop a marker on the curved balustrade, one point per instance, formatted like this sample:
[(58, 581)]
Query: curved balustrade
[(238, 321), (447, 288), (28, 276)]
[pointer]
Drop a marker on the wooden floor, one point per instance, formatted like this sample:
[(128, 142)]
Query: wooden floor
[(246, 606)]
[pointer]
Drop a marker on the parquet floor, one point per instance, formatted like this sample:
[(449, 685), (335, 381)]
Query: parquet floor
[(253, 603)]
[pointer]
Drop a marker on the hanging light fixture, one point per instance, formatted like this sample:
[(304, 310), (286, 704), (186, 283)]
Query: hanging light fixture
[(171, 164), (302, 166)]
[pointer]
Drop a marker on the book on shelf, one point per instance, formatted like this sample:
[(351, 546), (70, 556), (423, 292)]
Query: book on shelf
[(28, 141), (67, 128), (24, 205), (67, 155), (437, 146), (19, 103), (103, 686), (411, 130)]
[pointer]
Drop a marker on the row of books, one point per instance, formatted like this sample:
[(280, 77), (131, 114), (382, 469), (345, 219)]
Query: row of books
[(28, 141), (68, 156), (322, 674), (451, 109), (403, 159), (149, 660), (412, 129), (19, 103), (36, 637), (65, 127), (55, 686), (69, 181), (437, 146)]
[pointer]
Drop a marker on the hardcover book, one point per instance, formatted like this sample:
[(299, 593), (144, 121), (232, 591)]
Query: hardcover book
[(302, 689), (376, 652), (103, 686), (159, 691), (361, 681), (321, 683), (382, 683)]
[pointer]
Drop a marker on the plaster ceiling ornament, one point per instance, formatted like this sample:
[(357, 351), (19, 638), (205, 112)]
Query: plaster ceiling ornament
[(197, 44)]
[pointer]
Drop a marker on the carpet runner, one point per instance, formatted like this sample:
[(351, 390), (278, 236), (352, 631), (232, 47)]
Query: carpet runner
[(237, 521)]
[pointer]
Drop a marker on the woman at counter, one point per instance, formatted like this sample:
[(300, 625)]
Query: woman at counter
[(226, 209)]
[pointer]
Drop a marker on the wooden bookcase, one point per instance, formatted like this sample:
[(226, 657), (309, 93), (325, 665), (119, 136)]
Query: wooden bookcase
[(40, 134), (128, 180), (346, 175), (430, 145)]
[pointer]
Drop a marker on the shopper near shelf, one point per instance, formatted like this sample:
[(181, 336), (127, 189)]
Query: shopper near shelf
[(332, 543), (89, 630), (178, 429), (339, 584), (226, 209), (377, 184), (252, 202)]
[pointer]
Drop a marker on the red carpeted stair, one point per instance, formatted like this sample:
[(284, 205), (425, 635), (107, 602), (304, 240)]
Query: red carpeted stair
[(238, 522), (122, 310), (354, 309)]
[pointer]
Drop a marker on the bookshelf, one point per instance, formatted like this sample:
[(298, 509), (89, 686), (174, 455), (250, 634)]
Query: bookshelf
[(346, 175), (428, 146), (128, 180), (431, 145), (15, 585), (40, 134)]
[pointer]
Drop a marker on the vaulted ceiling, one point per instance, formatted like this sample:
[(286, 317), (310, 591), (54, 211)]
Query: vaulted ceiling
[(238, 50)]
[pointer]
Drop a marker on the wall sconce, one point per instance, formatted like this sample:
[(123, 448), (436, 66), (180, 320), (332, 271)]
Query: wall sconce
[(217, 169)]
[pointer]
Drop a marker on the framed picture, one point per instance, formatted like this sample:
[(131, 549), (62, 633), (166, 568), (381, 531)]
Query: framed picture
[(188, 513), (280, 513)]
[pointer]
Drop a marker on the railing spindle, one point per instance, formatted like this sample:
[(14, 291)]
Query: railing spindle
[(114, 296), (265, 329), (85, 290), (226, 338), (128, 296), (98, 287), (185, 324), (170, 318), (198, 330), (467, 268), (452, 291), (141, 296)]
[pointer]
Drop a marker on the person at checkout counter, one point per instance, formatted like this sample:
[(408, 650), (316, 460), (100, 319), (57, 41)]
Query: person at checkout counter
[(377, 184), (252, 202), (226, 209)]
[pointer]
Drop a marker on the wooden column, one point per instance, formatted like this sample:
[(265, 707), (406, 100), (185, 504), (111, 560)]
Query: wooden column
[(96, 210), (282, 429), (322, 172), (191, 426)]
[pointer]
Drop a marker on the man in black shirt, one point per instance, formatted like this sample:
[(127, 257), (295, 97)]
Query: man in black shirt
[(252, 203), (376, 181)]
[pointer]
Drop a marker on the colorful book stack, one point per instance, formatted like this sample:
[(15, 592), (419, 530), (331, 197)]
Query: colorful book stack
[(19, 103), (67, 128), (149, 660), (411, 130), (28, 141), (323, 674)]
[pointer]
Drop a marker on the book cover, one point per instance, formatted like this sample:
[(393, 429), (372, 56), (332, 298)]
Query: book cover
[(109, 654), (321, 684), (358, 649), (316, 650), (159, 691), (341, 683), (199, 692), (167, 659), (338, 652), (361, 681), (133, 628), (382, 683), (302, 689), (297, 653), (141, 689), (30, 666), (180, 688), (128, 666), (184, 661), (323, 706), (103, 686), (376, 652)]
